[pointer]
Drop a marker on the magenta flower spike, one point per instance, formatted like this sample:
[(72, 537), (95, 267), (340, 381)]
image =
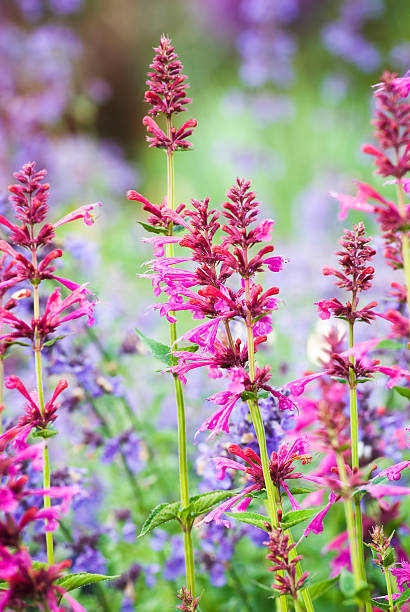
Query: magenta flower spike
[(31, 233)]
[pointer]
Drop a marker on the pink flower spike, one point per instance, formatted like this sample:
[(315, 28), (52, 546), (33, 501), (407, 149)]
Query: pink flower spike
[(316, 525), (361, 349), (275, 264), (394, 472), (75, 606), (224, 463), (217, 513), (379, 490), (84, 212), (159, 241), (294, 504), (134, 195), (395, 374), (219, 420), (297, 386)]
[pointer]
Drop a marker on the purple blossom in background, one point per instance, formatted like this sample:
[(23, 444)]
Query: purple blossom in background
[(130, 446), (175, 564)]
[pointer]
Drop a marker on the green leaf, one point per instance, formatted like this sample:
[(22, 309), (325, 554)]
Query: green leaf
[(297, 516), (261, 494), (159, 515), (339, 379), (318, 588), (75, 581), (299, 490), (152, 229), (379, 604), (45, 433), (389, 344), (346, 583), (158, 350), (199, 504), (263, 394), (53, 341), (39, 565), (251, 518), (349, 589), (192, 348), (248, 395), (404, 597), (389, 558), (404, 391)]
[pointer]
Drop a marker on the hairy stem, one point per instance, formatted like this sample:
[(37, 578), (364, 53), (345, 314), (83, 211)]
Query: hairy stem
[(350, 522), (182, 444), (404, 241), (354, 439), (271, 490), (305, 593), (389, 588), (40, 391)]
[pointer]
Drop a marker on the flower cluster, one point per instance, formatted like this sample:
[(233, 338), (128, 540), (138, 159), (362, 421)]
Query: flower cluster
[(29, 197), (279, 554), (355, 276), (27, 584), (167, 96), (216, 300)]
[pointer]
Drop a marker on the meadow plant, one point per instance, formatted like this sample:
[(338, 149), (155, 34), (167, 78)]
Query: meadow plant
[(321, 445), (215, 275)]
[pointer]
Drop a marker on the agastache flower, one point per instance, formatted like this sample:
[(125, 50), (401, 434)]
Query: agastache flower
[(279, 547), (29, 586), (391, 123), (167, 96), (34, 417), (355, 276), (281, 469)]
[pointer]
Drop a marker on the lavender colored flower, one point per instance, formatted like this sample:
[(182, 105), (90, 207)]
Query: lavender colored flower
[(175, 564)]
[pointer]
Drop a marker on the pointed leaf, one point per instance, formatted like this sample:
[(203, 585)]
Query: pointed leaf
[(159, 515), (152, 229), (318, 588), (200, 504), (75, 581), (192, 348), (251, 518), (389, 344), (379, 604), (248, 395), (404, 597), (53, 341), (297, 516), (299, 490), (404, 391), (158, 350)]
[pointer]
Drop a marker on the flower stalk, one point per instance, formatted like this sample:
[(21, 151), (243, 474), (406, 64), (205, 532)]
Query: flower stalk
[(40, 392), (179, 395)]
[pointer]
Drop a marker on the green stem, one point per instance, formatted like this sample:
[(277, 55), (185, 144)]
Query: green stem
[(354, 440), (271, 490), (389, 588), (40, 391), (350, 523), (297, 606), (404, 241), (182, 444), (299, 572)]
